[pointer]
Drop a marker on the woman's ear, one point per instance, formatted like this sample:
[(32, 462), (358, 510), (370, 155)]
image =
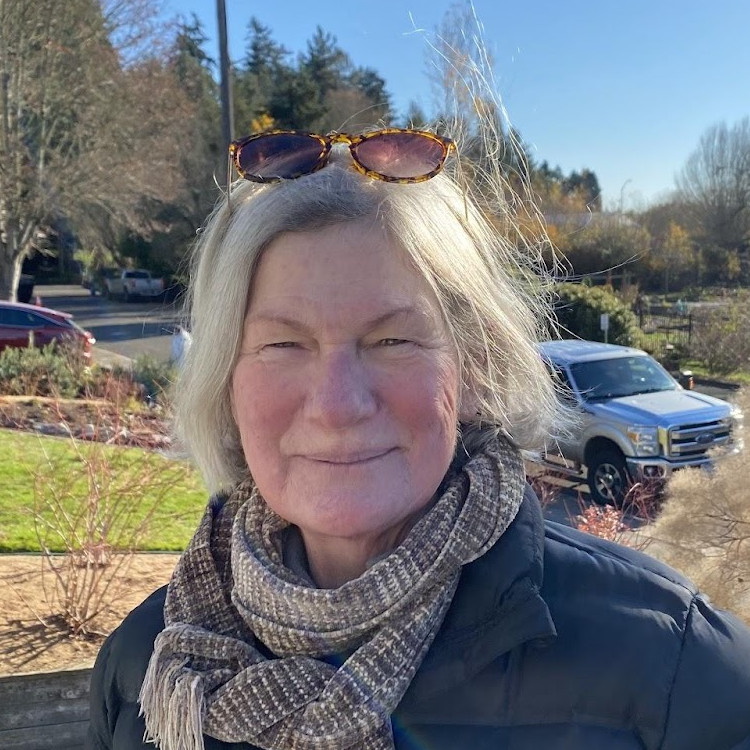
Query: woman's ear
[(468, 406), (232, 408)]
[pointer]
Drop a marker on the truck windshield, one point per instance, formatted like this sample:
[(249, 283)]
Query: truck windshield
[(624, 376)]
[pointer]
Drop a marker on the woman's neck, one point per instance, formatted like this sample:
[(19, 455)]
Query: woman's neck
[(333, 561)]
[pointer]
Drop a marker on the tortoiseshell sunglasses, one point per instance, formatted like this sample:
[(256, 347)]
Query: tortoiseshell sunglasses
[(391, 154)]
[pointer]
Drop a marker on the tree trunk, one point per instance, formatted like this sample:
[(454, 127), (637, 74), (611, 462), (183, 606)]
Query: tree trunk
[(6, 282), (17, 267), (8, 251)]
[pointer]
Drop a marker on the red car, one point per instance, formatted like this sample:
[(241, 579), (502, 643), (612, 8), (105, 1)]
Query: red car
[(22, 324)]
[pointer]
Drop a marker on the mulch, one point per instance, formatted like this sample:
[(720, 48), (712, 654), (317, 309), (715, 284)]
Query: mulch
[(87, 419)]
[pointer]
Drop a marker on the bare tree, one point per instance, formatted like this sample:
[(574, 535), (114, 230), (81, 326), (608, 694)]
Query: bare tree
[(674, 256), (461, 70), (83, 136), (492, 155), (715, 186), (348, 109), (137, 28)]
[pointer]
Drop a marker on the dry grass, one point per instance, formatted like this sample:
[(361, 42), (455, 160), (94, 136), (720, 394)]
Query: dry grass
[(704, 528)]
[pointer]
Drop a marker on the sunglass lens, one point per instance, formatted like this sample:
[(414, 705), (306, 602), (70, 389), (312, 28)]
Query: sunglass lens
[(401, 155), (279, 156)]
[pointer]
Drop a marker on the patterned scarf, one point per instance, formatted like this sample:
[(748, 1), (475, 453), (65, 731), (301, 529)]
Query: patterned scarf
[(252, 652)]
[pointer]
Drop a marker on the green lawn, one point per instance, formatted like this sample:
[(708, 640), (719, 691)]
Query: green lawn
[(72, 489), (740, 376)]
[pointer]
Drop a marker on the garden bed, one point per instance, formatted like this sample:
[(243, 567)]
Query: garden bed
[(31, 640), (31, 643), (86, 419)]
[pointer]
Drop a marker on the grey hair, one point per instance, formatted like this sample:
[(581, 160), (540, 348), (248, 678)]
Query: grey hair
[(493, 303)]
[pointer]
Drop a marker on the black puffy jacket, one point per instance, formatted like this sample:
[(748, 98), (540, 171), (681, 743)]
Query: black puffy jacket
[(555, 639)]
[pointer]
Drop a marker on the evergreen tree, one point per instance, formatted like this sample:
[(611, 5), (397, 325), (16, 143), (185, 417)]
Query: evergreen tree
[(257, 79), (192, 66), (295, 101), (370, 83), (415, 117), (263, 55), (585, 184), (325, 62)]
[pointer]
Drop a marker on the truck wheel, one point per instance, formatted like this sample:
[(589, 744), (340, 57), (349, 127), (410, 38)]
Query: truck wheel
[(608, 478)]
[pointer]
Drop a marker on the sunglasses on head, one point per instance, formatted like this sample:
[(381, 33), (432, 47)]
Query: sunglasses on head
[(391, 154)]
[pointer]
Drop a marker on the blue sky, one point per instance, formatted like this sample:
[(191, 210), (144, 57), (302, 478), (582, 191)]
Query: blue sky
[(623, 88)]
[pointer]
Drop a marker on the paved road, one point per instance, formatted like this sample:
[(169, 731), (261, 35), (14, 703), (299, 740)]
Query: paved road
[(121, 329)]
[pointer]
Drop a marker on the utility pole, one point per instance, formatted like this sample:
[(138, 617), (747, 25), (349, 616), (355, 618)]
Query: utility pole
[(227, 105)]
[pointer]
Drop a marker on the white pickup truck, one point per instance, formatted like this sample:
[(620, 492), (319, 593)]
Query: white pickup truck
[(134, 283), (636, 421)]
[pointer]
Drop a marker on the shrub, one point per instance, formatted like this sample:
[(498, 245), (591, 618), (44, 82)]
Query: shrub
[(604, 521), (155, 377), (620, 524), (704, 528), (579, 309), (51, 371), (97, 507), (546, 491), (720, 337), (115, 385)]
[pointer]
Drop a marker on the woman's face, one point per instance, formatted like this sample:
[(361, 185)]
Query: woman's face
[(345, 392)]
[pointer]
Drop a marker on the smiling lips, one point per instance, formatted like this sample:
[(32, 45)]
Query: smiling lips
[(348, 459)]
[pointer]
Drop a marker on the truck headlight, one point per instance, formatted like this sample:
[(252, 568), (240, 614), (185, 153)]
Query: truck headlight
[(645, 440)]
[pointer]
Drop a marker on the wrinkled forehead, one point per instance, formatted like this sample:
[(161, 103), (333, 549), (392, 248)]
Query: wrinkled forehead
[(346, 257), (353, 269)]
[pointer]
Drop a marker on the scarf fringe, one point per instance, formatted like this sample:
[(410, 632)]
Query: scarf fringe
[(172, 701)]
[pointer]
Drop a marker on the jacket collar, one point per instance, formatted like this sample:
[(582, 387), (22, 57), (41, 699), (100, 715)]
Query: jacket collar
[(496, 608)]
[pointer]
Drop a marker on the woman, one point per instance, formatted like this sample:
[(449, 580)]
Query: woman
[(373, 571)]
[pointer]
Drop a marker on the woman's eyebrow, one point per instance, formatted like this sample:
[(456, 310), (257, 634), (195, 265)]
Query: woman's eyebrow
[(406, 312), (278, 319)]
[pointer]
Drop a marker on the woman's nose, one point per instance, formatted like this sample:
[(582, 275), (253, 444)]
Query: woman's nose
[(340, 392)]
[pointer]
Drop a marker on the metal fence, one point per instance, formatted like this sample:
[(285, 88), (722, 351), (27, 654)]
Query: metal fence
[(667, 327)]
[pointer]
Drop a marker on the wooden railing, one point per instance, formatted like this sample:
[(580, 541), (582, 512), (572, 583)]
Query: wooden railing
[(44, 710)]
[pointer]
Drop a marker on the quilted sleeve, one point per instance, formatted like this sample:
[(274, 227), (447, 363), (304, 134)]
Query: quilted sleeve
[(709, 704)]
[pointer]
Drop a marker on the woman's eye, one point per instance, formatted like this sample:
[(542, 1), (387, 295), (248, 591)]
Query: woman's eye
[(393, 342), (281, 345)]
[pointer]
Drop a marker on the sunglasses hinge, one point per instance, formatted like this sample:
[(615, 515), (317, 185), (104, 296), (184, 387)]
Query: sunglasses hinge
[(336, 137)]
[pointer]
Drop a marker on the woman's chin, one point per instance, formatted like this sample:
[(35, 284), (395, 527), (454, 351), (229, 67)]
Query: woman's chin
[(347, 516)]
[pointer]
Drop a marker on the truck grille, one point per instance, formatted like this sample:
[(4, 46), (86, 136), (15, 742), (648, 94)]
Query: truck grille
[(695, 440)]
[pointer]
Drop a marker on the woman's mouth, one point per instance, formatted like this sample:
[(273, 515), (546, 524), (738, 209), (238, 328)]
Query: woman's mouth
[(349, 458)]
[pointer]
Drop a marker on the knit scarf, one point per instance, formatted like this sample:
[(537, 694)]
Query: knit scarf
[(253, 652)]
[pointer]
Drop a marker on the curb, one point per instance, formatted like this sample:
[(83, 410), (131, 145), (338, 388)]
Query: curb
[(708, 382), (716, 383), (106, 358)]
